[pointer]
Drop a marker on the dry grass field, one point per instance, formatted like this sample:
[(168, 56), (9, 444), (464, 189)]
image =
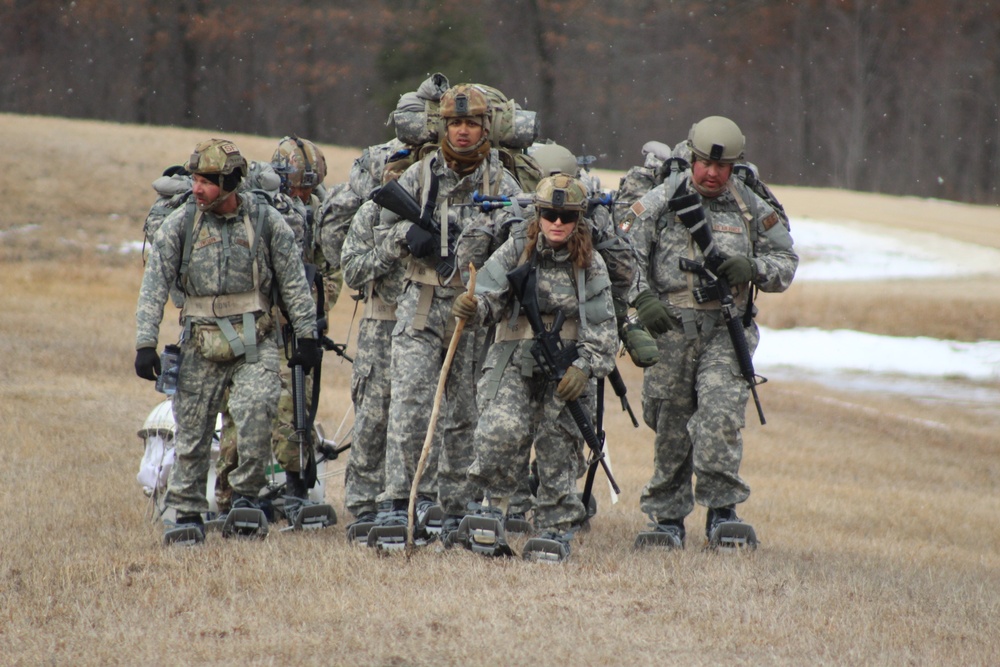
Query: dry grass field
[(877, 514)]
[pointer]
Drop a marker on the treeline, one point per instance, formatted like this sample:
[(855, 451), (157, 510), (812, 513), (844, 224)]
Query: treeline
[(894, 96)]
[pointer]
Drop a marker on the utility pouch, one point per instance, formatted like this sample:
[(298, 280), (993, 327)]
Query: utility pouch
[(213, 344)]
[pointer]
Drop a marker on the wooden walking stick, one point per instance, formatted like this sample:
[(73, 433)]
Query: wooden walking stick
[(426, 450)]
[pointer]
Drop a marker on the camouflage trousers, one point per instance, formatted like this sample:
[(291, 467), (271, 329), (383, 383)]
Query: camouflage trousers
[(284, 442), (201, 386), (523, 413), (370, 393), (417, 358), (695, 399)]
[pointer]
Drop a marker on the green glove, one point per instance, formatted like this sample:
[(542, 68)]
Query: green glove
[(737, 270), (639, 344), (572, 384), (653, 313), (464, 306)]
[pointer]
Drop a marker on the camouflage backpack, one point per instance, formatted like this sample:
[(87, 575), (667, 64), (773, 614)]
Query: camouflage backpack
[(172, 189), (514, 131), (416, 121)]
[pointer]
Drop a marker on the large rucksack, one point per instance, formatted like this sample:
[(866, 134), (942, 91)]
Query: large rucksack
[(416, 120)]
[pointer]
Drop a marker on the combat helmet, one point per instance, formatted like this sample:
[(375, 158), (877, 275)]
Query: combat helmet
[(561, 192), (300, 163), (717, 138), (464, 101), (220, 161), (555, 159)]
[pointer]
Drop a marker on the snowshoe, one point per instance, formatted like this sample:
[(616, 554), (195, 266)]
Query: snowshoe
[(429, 516), (728, 532), (483, 534), (245, 519), (308, 514), (517, 522), (667, 534), (188, 531), (388, 534), (357, 530), (548, 547)]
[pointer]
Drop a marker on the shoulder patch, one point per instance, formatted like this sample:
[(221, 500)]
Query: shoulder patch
[(638, 209), (771, 221)]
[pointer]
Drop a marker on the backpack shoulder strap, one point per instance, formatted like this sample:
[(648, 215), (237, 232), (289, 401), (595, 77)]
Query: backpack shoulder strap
[(192, 219)]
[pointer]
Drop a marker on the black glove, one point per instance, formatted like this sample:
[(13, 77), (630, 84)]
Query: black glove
[(421, 242), (306, 354), (147, 363)]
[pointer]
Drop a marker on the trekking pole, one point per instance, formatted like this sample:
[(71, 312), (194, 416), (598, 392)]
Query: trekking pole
[(425, 451)]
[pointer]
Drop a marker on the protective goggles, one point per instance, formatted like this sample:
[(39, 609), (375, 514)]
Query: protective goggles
[(553, 214)]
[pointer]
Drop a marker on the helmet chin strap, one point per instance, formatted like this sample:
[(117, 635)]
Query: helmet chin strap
[(706, 192), (214, 204)]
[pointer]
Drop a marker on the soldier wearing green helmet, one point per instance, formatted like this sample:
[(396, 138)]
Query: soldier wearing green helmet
[(693, 398), (231, 254)]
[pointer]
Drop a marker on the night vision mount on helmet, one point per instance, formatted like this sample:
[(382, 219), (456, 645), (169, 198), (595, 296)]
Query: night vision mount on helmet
[(717, 138)]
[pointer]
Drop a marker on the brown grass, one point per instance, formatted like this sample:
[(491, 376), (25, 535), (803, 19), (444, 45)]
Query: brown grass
[(876, 513)]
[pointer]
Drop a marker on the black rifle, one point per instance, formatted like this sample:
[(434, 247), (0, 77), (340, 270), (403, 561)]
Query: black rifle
[(393, 197), (304, 416), (553, 356), (618, 384), (688, 208)]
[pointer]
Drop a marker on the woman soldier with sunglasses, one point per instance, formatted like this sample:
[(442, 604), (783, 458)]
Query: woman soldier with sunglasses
[(519, 407)]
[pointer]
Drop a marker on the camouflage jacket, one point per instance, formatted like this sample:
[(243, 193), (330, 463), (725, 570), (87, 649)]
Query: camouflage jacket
[(476, 234), (558, 291), (473, 233), (661, 240), (221, 263), (363, 264)]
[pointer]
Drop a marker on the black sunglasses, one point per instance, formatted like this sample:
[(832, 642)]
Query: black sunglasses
[(552, 214)]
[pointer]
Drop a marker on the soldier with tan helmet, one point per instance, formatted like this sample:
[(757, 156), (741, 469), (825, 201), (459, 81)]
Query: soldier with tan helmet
[(231, 254), (520, 406), (466, 162), (301, 166), (695, 398)]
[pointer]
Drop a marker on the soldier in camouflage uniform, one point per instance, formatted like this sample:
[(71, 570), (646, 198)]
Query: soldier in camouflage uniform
[(378, 278), (301, 166), (229, 252), (519, 406), (378, 281), (695, 398), (464, 163), (261, 177), (614, 248)]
